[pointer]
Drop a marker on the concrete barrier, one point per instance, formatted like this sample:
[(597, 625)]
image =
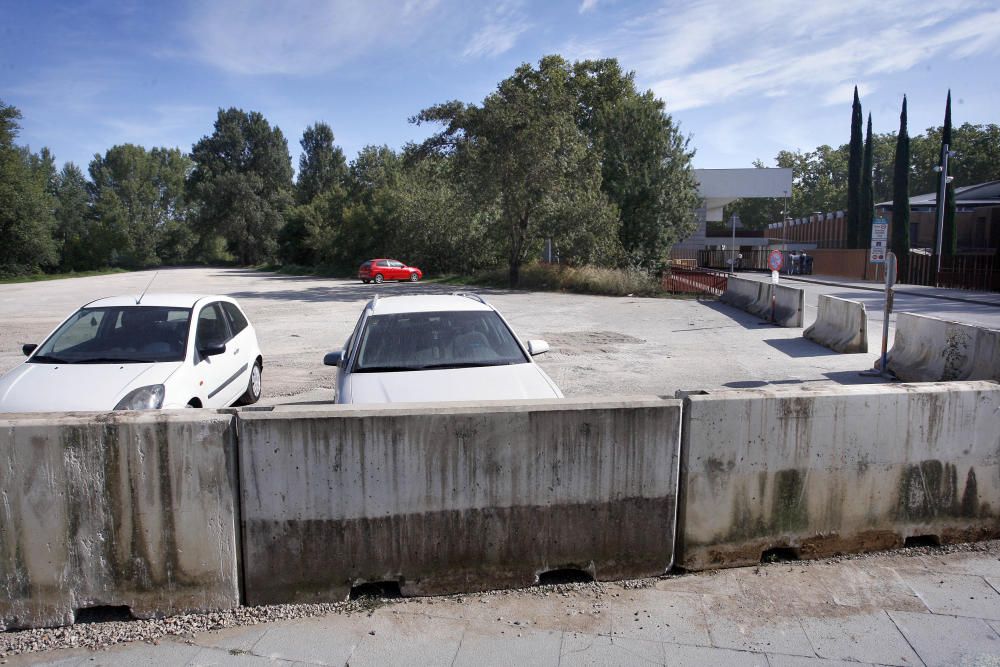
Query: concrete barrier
[(741, 293), (840, 325), (928, 349), (444, 498), (836, 470), (755, 297), (123, 509), (789, 305)]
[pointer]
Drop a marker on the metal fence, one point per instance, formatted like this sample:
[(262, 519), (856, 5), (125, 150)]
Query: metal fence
[(683, 280), (971, 272)]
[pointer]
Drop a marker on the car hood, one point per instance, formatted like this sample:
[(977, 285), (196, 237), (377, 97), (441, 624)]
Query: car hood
[(486, 383), (76, 387)]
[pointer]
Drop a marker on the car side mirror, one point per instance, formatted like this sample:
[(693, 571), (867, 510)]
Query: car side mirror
[(212, 349), (333, 358), (28, 348), (536, 347)]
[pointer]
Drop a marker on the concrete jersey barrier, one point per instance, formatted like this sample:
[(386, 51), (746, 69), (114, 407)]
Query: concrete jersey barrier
[(443, 498), (836, 470), (929, 349), (122, 509), (840, 325), (755, 297)]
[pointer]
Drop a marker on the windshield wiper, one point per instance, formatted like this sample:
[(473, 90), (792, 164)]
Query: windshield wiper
[(386, 369), (46, 359), (110, 360), (469, 364)]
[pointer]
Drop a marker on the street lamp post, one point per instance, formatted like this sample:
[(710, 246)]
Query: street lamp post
[(945, 179)]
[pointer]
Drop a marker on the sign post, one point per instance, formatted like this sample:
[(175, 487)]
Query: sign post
[(880, 238), (889, 259), (775, 260)]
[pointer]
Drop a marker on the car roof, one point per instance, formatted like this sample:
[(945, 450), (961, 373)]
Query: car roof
[(156, 299), (425, 303)]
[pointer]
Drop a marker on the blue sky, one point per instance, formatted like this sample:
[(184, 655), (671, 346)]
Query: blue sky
[(745, 79)]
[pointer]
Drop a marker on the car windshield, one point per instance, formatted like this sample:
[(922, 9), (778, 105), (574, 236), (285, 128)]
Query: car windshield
[(436, 340), (119, 334)]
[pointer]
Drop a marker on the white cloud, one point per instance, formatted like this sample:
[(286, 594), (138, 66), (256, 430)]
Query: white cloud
[(587, 5), (299, 36), (504, 25), (711, 51)]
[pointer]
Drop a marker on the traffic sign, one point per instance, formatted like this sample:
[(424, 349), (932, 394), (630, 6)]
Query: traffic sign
[(775, 260), (880, 238)]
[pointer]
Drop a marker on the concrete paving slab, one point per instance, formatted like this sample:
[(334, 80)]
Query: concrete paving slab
[(323, 641), (790, 586), (754, 625), (799, 661), (691, 656), (658, 616), (869, 585), (483, 647), (583, 650), (407, 639), (949, 640), (237, 639), (870, 637), (717, 582), (165, 654), (955, 594), (983, 565), (212, 657)]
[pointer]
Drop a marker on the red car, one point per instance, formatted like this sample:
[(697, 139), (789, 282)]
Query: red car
[(388, 269)]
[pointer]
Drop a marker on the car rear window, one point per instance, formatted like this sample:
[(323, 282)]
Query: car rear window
[(436, 340)]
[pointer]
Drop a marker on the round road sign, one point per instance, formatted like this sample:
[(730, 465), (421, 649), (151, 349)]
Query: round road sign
[(775, 260)]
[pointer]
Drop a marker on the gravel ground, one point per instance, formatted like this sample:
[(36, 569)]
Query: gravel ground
[(104, 635)]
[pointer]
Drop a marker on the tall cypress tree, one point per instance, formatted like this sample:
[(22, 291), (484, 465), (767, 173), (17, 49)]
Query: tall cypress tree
[(854, 177), (867, 189), (949, 243), (901, 199)]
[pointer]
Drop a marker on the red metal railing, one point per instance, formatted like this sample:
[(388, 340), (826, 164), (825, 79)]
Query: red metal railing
[(682, 280)]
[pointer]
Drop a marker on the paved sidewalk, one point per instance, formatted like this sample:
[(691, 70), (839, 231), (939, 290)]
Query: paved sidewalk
[(923, 606)]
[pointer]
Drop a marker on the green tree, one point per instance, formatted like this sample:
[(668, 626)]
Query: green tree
[(854, 171), (949, 243), (140, 205), (26, 203), (645, 160), (867, 190), (73, 219), (322, 165), (901, 199), (523, 152), (242, 185)]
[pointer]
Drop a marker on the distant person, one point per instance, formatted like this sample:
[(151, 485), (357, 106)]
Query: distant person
[(807, 264)]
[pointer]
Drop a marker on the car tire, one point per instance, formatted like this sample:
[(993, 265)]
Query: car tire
[(378, 278), (414, 277), (252, 394)]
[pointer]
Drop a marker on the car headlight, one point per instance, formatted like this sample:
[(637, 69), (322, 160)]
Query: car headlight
[(143, 398)]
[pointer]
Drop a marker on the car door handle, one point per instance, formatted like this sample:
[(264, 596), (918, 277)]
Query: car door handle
[(236, 351)]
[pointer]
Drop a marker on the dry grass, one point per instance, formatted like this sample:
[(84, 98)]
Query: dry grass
[(581, 280)]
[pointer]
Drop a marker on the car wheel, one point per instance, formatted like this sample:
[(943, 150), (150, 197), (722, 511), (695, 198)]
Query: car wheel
[(414, 278), (378, 278), (252, 394)]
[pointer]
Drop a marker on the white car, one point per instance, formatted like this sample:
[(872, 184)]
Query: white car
[(129, 353), (437, 348)]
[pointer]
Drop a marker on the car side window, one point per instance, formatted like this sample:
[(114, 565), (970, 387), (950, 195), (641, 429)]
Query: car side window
[(396, 265), (212, 327), (236, 319), (382, 263)]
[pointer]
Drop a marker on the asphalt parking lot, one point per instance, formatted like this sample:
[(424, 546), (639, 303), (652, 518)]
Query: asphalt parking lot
[(600, 345)]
